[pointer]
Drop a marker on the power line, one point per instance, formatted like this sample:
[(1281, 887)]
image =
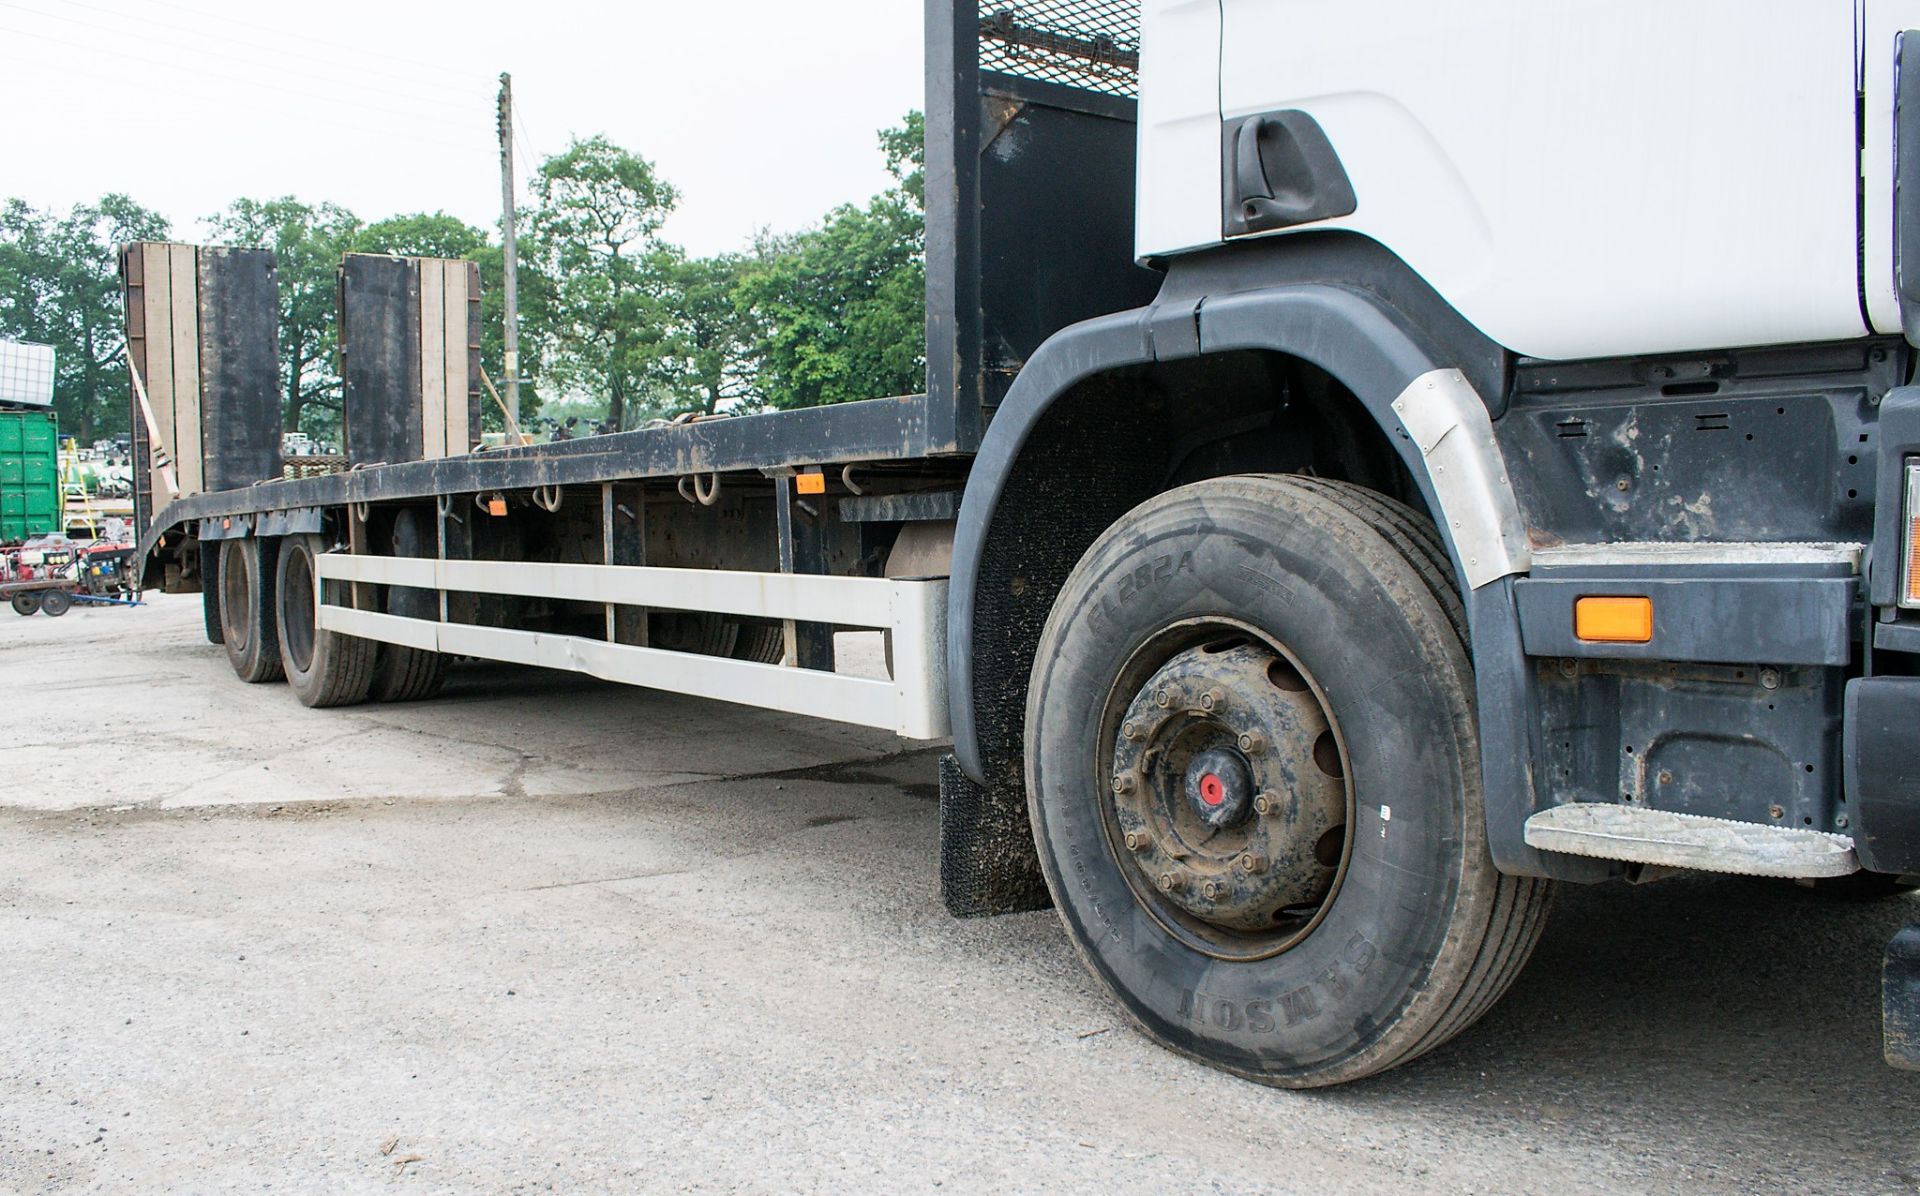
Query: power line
[(329, 77), (318, 41), (332, 64), (244, 82), (168, 83)]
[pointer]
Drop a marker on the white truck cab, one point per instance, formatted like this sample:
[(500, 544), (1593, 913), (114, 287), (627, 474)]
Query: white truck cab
[(1577, 180)]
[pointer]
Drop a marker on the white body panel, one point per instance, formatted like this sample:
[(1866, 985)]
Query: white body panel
[(1881, 23), (1178, 185), (1578, 180)]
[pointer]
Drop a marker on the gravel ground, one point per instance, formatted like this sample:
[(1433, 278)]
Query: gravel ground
[(546, 934)]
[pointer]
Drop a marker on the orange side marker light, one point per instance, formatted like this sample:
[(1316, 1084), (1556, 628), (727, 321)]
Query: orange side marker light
[(1613, 620)]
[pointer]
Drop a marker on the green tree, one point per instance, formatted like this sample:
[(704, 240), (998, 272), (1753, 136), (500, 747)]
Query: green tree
[(421, 234), (594, 224), (307, 241), (60, 285), (709, 339), (838, 312)]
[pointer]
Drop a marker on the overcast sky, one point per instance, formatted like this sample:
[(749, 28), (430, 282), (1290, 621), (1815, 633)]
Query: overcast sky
[(762, 112)]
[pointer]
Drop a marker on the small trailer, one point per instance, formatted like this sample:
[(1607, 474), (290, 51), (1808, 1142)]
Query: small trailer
[(1377, 463), (83, 575)]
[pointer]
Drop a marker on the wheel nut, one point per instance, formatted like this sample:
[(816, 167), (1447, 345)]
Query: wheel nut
[(1138, 841), (1169, 883), (1253, 743), (1129, 731), (1266, 803), (1123, 783), (1213, 699), (1162, 698), (1211, 890), (1253, 863)]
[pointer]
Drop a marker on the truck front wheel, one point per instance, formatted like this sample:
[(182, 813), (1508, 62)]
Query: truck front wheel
[(1254, 779)]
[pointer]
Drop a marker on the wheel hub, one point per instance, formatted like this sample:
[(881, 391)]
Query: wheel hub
[(1228, 788), (1219, 787)]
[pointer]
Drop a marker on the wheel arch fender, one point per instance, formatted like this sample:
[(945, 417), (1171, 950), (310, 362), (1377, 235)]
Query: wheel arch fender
[(1386, 361)]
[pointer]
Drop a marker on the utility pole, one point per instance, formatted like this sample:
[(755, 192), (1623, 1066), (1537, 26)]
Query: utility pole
[(512, 362)]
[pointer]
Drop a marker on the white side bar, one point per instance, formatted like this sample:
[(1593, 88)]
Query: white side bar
[(913, 704), (845, 601)]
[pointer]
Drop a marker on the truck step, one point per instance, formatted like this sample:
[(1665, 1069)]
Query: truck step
[(1662, 837)]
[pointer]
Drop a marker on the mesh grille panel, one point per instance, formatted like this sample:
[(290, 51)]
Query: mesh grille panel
[(1090, 44)]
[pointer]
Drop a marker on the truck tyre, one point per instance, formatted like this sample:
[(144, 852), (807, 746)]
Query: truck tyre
[(1254, 781), (400, 673), (403, 674), (26, 603), (245, 585), (325, 668), (55, 603), (760, 640), (210, 590)]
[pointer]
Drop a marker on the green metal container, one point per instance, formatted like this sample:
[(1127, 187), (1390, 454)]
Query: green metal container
[(29, 475)]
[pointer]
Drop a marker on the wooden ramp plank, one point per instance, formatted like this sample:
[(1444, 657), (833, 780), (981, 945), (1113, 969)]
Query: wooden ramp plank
[(433, 357)]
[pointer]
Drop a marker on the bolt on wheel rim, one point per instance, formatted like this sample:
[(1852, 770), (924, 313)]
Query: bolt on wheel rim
[(1227, 788)]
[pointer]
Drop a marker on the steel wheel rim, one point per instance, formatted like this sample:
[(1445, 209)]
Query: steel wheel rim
[(236, 612), (1185, 732), (296, 599)]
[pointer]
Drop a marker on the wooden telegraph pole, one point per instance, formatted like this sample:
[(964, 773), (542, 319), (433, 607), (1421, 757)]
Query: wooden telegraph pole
[(512, 282)]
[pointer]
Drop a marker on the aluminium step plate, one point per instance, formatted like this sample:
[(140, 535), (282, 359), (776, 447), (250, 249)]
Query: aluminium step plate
[(1662, 837)]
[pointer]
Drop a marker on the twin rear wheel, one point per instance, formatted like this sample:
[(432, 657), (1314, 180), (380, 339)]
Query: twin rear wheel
[(1254, 780), (265, 591)]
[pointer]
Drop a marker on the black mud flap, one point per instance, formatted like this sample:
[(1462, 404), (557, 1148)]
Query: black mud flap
[(988, 864), (1900, 1000)]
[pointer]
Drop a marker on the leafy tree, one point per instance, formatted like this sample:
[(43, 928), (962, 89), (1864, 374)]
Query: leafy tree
[(422, 234), (307, 241), (60, 285), (594, 225), (839, 312), (709, 339)]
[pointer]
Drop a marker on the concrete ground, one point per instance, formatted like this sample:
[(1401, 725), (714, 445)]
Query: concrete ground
[(547, 934)]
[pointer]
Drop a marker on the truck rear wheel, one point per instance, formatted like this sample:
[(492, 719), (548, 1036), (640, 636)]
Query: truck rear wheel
[(245, 585), (1254, 781), (325, 668), (400, 673)]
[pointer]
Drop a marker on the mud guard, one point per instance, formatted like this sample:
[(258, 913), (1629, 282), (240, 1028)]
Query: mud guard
[(1374, 350)]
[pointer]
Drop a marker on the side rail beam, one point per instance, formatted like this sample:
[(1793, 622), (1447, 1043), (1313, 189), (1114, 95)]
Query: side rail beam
[(912, 704)]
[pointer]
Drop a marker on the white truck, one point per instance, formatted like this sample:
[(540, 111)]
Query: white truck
[(1379, 461)]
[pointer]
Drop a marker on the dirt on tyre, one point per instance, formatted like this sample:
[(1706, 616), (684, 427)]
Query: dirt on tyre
[(324, 668), (248, 622), (1254, 781)]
